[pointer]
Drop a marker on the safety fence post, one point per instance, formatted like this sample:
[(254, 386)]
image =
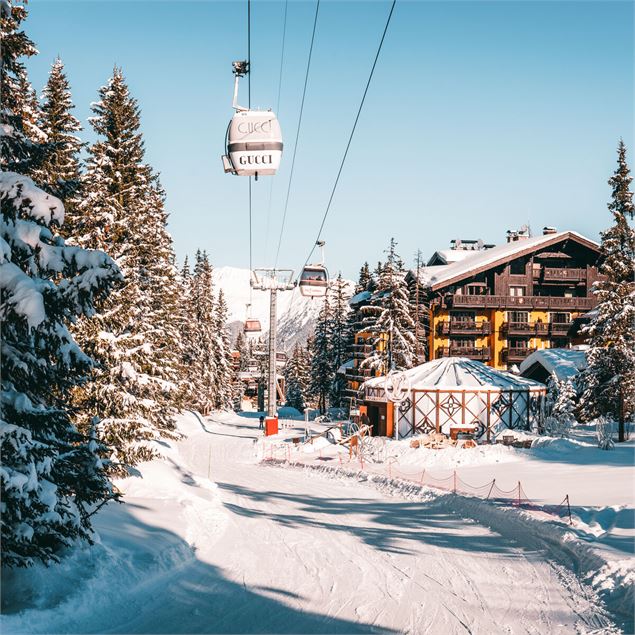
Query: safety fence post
[(569, 509), (454, 485), (518, 493), (491, 488), (422, 475)]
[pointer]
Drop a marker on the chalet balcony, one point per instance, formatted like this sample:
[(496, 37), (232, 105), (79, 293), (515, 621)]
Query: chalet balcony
[(456, 327), (480, 353), (520, 302), (359, 374), (562, 274), (362, 351), (560, 329), (515, 355), (529, 329)]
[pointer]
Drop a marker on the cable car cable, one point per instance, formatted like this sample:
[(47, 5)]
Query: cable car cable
[(284, 34), (249, 104), (350, 139), (297, 134)]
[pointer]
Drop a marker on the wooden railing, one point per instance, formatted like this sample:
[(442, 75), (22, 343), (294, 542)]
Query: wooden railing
[(525, 302), (525, 328), (456, 327), (514, 354), (564, 274), (471, 352)]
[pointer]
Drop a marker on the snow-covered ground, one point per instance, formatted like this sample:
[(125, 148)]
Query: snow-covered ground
[(211, 540)]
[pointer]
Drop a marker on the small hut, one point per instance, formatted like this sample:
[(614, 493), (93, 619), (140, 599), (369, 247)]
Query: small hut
[(455, 393)]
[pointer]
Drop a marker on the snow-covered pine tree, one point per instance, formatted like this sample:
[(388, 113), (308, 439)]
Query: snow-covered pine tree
[(244, 349), (21, 149), (51, 474), (204, 365), (59, 173), (561, 399), (296, 373), (52, 477), (388, 319), (420, 309), (365, 280), (224, 371), (132, 335), (321, 362), (339, 337), (609, 380), (187, 329)]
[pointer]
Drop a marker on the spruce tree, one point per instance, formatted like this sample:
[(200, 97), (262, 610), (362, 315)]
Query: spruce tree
[(339, 338), (52, 477), (296, 373), (204, 364), (132, 336), (59, 172), (21, 149), (609, 379), (388, 319), (224, 371), (321, 363)]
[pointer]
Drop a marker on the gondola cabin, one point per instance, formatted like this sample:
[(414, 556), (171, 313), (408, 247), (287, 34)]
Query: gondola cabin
[(252, 326), (314, 281), (254, 144)]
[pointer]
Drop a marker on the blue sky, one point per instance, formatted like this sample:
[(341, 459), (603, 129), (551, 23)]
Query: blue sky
[(482, 116)]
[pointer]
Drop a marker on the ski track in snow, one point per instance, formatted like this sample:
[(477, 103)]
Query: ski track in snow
[(271, 550)]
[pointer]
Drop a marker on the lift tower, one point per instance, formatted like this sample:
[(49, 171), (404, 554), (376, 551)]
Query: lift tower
[(272, 280)]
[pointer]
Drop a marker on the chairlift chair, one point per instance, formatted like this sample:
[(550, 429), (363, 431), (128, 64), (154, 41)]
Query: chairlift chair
[(254, 140)]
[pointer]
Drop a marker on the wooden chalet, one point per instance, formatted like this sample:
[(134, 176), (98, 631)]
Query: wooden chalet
[(499, 304)]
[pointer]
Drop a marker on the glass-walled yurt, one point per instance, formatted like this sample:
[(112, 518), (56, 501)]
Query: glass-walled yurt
[(455, 392)]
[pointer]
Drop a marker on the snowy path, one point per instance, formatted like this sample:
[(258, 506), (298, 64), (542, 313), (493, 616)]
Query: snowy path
[(283, 550)]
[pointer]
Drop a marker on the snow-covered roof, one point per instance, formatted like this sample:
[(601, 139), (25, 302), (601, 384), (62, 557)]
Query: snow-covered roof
[(564, 363), (460, 373), (342, 369), (360, 297), (449, 256), (495, 255)]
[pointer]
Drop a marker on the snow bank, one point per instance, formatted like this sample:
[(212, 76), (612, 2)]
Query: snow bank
[(170, 517), (589, 569)]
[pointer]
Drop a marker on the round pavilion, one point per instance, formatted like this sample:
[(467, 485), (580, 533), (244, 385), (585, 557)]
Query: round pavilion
[(455, 392)]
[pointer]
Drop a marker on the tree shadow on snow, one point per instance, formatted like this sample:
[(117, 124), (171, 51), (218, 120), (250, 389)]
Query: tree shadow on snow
[(393, 525), (146, 579)]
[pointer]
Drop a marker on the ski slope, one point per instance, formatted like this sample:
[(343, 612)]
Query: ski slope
[(210, 541)]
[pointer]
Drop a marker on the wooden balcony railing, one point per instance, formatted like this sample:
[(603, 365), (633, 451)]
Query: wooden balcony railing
[(525, 328), (514, 354), (481, 353), (524, 302), (456, 327), (559, 328), (359, 374), (562, 274)]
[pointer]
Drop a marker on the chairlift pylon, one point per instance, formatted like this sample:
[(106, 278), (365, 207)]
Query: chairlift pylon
[(253, 143)]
